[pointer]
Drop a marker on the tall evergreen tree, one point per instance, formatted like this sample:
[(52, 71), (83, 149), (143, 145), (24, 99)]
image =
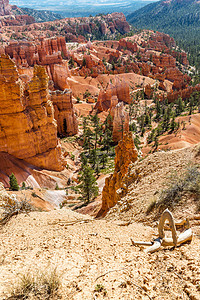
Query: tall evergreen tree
[(97, 129), (88, 186)]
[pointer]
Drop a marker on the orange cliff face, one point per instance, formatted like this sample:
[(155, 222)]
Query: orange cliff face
[(126, 153), (27, 127)]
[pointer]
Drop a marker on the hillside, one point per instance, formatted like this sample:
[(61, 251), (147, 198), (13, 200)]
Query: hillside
[(178, 18), (38, 15), (95, 259)]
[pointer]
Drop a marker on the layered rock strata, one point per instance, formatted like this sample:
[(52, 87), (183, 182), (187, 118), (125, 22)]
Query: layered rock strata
[(27, 127), (45, 52)]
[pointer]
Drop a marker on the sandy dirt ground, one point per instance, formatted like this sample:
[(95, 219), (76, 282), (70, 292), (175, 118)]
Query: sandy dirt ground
[(94, 252)]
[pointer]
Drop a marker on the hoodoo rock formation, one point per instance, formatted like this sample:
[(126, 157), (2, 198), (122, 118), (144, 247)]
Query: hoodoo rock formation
[(120, 121), (126, 153), (107, 98), (43, 52), (46, 52), (64, 112), (27, 127)]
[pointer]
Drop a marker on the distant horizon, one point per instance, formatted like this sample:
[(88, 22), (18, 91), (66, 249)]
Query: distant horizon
[(44, 4), (62, 3), (83, 8)]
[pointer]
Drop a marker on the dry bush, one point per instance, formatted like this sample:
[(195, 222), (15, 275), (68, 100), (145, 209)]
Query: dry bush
[(43, 286), (10, 206), (177, 186)]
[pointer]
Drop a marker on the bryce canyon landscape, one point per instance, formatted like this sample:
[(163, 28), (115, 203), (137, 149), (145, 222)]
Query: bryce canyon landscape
[(100, 128)]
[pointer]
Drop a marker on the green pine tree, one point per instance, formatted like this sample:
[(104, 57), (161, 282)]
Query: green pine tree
[(107, 138), (13, 183), (104, 160), (23, 185), (88, 186), (97, 129), (172, 124)]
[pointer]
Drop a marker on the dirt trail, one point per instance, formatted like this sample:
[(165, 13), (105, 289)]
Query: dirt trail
[(83, 252)]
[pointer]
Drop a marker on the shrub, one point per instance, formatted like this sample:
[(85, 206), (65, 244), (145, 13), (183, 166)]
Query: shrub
[(11, 206), (23, 185), (37, 286), (178, 186), (99, 288)]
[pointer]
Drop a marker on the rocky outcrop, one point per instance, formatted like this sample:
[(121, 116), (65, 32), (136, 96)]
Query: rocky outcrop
[(5, 8), (180, 80), (120, 121), (59, 74), (27, 127), (12, 20), (45, 52), (148, 90), (107, 98), (64, 112), (126, 154), (184, 94), (127, 45), (74, 29), (120, 22)]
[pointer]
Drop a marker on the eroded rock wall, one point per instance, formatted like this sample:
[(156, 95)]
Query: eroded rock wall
[(27, 127)]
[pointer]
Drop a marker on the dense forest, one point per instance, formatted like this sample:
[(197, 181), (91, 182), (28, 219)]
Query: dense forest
[(180, 19)]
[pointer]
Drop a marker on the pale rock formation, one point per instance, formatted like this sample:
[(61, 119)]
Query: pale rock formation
[(120, 90), (120, 121)]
